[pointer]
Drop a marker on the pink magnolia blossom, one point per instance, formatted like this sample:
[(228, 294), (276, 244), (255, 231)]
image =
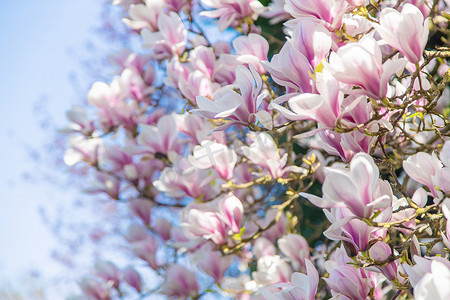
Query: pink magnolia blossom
[(162, 138), (422, 167), (162, 228), (185, 180), (429, 276), (264, 247), (81, 149), (135, 233), (290, 68), (105, 183), (146, 250), (214, 155), (361, 64), (179, 283), (357, 2), (296, 248), (442, 177), (272, 270), (313, 40), (301, 287), (230, 12), (142, 209), (380, 251), (359, 189), (132, 278), (145, 15), (231, 211), (240, 108), (177, 5), (169, 40), (205, 224), (251, 49), (80, 121), (137, 63), (406, 30), (347, 280), (434, 284), (215, 264), (345, 145), (345, 227), (198, 129), (264, 152), (196, 84), (133, 85), (329, 12), (324, 108), (276, 12), (95, 289), (108, 271)]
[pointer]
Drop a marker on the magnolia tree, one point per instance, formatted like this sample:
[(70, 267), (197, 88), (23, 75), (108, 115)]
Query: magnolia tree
[(298, 149)]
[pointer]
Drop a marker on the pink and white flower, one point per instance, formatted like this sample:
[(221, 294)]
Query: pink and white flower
[(406, 30)]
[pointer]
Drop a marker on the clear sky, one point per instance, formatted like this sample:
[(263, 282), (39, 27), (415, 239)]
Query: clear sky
[(39, 42)]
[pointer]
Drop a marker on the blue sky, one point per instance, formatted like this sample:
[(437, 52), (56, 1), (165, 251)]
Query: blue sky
[(39, 46)]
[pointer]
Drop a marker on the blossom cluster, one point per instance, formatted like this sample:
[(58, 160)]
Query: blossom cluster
[(309, 162)]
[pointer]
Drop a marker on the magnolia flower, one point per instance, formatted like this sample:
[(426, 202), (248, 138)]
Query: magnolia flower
[(108, 271), (177, 5), (406, 30), (429, 277), (271, 270), (133, 85), (264, 247), (95, 289), (135, 233), (347, 280), (160, 139), (145, 15), (231, 211), (179, 283), (132, 278), (162, 228), (185, 180), (301, 287), (422, 167), (276, 12), (324, 108), (105, 183), (359, 189), (296, 248), (345, 145), (81, 149), (169, 40), (205, 224), (380, 251), (214, 264), (290, 68), (442, 176), (434, 285), (313, 40), (230, 12), (251, 49), (142, 209), (80, 121), (263, 152), (214, 155), (146, 250), (355, 233), (241, 109), (361, 64), (329, 12)]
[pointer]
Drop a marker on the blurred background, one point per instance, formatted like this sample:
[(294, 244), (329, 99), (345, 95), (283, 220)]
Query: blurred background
[(51, 52)]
